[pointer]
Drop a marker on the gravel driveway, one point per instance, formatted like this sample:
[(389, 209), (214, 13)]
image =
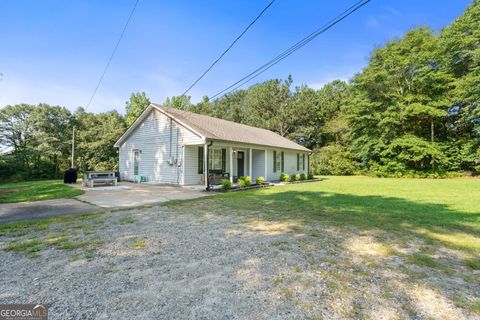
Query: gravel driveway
[(167, 264)]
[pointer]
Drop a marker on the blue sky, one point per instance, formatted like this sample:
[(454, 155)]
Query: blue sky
[(55, 51)]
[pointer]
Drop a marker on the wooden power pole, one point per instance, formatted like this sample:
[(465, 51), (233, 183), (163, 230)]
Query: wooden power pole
[(73, 145)]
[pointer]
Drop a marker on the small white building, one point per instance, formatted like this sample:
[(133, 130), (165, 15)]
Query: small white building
[(171, 146)]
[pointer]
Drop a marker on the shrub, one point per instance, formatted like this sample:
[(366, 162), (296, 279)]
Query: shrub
[(226, 184), (310, 176), (241, 182), (260, 180), (284, 177), (303, 177), (294, 177), (248, 181), (332, 160)]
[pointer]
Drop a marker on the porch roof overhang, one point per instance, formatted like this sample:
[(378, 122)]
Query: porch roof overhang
[(257, 146)]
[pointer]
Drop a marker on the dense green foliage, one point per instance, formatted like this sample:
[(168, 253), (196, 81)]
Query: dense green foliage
[(260, 180), (37, 140), (226, 184), (414, 110), (135, 106)]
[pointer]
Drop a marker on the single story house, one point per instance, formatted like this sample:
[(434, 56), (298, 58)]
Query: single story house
[(171, 146)]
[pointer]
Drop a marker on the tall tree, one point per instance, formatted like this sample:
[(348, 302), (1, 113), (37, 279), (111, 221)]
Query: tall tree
[(135, 106), (401, 103), (269, 105), (95, 138), (178, 102)]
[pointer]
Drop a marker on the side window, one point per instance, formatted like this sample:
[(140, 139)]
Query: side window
[(278, 161), (136, 159)]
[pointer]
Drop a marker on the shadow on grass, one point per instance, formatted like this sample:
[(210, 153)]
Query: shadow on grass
[(360, 249), (437, 222)]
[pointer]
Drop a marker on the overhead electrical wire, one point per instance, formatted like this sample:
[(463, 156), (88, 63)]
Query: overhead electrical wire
[(113, 53), (228, 48), (292, 49)]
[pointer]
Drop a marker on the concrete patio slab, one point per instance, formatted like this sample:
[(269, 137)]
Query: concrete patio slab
[(128, 194)]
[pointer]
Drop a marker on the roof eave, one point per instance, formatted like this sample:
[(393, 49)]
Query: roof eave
[(302, 149)]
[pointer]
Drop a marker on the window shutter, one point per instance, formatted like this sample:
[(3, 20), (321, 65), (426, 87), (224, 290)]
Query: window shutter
[(283, 158), (200, 160), (298, 161), (224, 159), (303, 162), (274, 161)]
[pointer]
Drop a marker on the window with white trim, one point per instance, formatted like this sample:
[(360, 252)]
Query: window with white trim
[(215, 159), (278, 161)]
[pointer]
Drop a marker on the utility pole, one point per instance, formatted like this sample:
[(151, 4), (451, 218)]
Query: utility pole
[(73, 145)]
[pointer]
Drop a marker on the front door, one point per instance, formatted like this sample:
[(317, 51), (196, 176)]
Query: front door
[(240, 163)]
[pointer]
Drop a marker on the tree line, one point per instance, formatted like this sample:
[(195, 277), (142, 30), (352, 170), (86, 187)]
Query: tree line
[(414, 110), (37, 139)]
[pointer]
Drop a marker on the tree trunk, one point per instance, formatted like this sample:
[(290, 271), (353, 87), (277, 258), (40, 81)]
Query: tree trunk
[(432, 139), (432, 131)]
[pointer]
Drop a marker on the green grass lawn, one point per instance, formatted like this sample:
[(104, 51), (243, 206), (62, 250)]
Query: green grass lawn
[(356, 246), (36, 190), (445, 211), (420, 236)]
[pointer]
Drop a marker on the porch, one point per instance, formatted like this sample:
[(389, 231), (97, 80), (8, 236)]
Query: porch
[(233, 162), (220, 161)]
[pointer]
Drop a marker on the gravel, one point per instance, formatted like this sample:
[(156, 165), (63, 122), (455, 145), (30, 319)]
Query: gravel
[(228, 267)]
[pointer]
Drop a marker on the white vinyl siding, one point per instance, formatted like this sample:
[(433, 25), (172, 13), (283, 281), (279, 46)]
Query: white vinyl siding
[(290, 163), (152, 139), (258, 164), (191, 175)]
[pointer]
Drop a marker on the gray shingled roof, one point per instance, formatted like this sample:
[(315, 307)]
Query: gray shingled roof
[(218, 129)]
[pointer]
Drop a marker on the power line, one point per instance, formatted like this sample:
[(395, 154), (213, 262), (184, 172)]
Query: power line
[(293, 48), (229, 47), (113, 53)]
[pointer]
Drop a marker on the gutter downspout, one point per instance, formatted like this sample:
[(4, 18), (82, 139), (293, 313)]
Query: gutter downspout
[(206, 165)]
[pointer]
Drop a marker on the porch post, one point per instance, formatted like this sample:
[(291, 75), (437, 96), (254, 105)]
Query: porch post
[(205, 164), (265, 176), (230, 163), (250, 162)]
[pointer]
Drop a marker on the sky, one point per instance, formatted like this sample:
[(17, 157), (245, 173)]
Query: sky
[(55, 51)]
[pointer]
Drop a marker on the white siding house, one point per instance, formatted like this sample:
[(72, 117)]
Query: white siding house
[(170, 146)]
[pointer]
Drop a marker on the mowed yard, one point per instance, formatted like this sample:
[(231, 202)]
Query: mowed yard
[(343, 247), (36, 191)]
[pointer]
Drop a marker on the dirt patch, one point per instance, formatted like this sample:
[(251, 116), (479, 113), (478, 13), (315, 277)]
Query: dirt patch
[(9, 191)]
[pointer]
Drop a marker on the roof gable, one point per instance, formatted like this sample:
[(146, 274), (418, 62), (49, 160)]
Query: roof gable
[(217, 129)]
